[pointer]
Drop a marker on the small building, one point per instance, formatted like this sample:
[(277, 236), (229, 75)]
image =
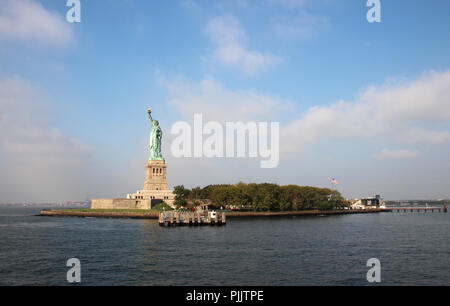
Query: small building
[(357, 204), (368, 203), (203, 207)]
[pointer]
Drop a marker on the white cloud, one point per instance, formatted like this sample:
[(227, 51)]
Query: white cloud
[(229, 37), (386, 153), (412, 112), (28, 20), (38, 161), (215, 102)]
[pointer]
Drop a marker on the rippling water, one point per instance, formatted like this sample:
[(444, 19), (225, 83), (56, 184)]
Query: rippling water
[(414, 249)]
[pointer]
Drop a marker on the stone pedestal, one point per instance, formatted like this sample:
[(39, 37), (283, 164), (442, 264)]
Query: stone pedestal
[(155, 175), (155, 188)]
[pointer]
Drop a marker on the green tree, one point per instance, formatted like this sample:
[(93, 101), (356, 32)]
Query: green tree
[(262, 197), (223, 196), (195, 194), (181, 195)]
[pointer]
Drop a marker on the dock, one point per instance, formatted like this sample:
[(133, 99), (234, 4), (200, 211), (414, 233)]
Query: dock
[(173, 218), (417, 209)]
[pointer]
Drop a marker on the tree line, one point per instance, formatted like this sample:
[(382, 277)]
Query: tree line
[(260, 197)]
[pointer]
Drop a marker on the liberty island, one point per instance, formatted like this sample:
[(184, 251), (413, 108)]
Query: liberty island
[(240, 200), (156, 189)]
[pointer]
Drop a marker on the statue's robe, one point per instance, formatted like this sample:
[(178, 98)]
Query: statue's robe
[(155, 142)]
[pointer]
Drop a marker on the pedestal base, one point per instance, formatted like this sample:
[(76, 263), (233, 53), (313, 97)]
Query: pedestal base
[(156, 190), (155, 175)]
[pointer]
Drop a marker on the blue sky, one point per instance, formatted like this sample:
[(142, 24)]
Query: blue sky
[(364, 102)]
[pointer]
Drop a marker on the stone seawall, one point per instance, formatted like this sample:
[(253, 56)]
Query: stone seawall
[(132, 215), (154, 215), (120, 204), (301, 213)]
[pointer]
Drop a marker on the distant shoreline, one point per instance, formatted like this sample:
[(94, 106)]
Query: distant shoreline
[(155, 214)]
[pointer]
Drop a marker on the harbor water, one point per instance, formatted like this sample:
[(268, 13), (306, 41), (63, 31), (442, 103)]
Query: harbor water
[(413, 249)]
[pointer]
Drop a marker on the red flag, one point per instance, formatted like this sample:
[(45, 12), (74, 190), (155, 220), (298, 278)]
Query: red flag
[(334, 181)]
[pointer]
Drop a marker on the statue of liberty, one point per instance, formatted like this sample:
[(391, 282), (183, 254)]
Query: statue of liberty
[(155, 138)]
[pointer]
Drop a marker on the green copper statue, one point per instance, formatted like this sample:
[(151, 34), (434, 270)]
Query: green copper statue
[(155, 138)]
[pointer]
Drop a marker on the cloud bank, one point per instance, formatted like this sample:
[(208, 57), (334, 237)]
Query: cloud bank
[(28, 20), (229, 37), (38, 161), (414, 112), (217, 103), (386, 153)]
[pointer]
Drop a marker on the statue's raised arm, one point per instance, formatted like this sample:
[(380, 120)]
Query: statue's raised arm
[(149, 111)]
